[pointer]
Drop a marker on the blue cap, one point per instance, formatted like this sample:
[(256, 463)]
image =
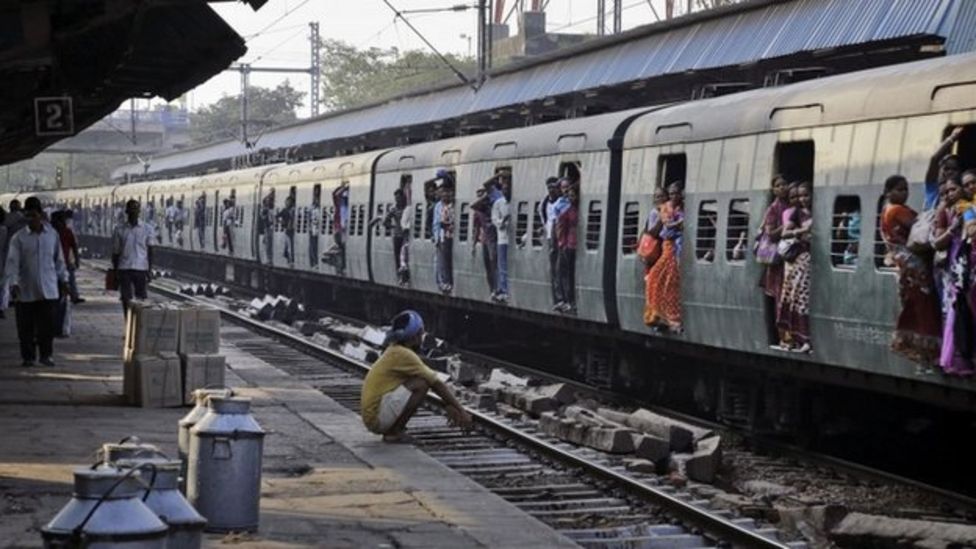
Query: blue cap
[(442, 173), (414, 327)]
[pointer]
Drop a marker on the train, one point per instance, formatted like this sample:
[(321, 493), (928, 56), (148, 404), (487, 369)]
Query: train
[(844, 133)]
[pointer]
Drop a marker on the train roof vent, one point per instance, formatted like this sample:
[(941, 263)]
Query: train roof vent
[(793, 75)]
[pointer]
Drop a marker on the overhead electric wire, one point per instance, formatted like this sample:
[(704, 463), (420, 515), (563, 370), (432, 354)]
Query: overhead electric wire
[(278, 45), (444, 59), (275, 22)]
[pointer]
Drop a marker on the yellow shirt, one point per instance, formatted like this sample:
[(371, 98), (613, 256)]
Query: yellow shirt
[(392, 369)]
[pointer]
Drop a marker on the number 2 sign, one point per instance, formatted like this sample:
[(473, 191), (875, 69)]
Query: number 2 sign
[(53, 116)]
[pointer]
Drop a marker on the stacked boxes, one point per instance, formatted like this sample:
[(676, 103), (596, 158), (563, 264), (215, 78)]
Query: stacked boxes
[(151, 375), (170, 350)]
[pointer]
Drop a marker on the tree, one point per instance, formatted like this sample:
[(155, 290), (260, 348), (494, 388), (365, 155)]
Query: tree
[(352, 77), (266, 108)]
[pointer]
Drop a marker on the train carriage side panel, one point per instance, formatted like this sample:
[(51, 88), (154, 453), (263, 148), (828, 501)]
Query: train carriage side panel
[(856, 130)]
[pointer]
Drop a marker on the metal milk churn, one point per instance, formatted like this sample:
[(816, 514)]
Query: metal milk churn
[(163, 497), (223, 477), (105, 512), (200, 398)]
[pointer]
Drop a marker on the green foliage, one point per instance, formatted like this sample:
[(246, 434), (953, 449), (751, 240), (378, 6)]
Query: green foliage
[(352, 77), (266, 108)]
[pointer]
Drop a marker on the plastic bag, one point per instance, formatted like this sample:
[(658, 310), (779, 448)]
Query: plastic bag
[(922, 231), (766, 251)]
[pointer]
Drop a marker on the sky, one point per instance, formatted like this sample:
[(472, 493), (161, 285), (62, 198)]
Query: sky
[(278, 34)]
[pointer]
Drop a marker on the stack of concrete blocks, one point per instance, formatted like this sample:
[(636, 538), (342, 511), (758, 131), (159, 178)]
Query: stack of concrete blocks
[(151, 366), (199, 350)]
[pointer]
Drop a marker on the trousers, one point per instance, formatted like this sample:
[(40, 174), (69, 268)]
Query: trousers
[(132, 283), (35, 328)]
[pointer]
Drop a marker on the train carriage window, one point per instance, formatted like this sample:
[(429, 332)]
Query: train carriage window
[(882, 261), (328, 215), (794, 160), (418, 220), (353, 217), (594, 225), (377, 230), (361, 222), (521, 221), (631, 228), (737, 231), (464, 222), (707, 227), (845, 232), (671, 168), (538, 231)]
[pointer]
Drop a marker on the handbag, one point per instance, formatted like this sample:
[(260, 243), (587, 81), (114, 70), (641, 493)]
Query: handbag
[(767, 251), (649, 249), (788, 249), (111, 280)]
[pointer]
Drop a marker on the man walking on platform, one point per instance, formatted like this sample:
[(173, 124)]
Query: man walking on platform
[(399, 381), (37, 277), (132, 255)]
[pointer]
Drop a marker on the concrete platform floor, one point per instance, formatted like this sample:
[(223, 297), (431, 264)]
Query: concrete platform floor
[(327, 481)]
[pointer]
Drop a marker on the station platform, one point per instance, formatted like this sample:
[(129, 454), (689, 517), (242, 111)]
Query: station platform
[(327, 481)]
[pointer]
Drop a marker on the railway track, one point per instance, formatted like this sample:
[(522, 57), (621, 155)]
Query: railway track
[(582, 493)]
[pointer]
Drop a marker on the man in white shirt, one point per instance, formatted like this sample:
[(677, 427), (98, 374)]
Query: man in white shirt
[(501, 219), (37, 276), (132, 254)]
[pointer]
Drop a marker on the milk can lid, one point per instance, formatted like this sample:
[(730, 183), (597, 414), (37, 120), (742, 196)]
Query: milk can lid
[(95, 483), (230, 405)]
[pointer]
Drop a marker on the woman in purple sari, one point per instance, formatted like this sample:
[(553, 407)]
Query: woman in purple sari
[(771, 281), (958, 354)]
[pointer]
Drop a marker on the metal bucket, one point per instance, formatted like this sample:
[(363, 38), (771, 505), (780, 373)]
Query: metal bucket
[(105, 512), (224, 466)]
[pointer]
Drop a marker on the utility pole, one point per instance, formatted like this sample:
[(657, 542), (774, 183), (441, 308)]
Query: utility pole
[(482, 39), (618, 16), (245, 69), (601, 17), (316, 68)]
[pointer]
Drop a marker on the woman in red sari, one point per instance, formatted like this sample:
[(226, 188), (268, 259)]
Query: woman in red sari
[(653, 228), (663, 310), (917, 330), (770, 232)]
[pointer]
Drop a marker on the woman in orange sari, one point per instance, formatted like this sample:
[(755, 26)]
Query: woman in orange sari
[(917, 330), (663, 310), (652, 228)]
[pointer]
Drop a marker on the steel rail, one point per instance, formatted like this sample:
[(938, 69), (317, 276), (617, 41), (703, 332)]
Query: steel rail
[(715, 527)]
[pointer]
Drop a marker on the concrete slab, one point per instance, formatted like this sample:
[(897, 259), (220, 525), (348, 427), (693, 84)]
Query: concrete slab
[(327, 481)]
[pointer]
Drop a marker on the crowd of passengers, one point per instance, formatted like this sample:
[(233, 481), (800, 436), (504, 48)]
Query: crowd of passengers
[(933, 253)]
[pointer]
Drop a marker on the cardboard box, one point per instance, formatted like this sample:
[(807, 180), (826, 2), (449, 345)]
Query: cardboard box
[(151, 329), (158, 381), (201, 372), (199, 331)]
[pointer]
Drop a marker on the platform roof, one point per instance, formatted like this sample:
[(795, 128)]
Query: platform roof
[(783, 33), (100, 53)]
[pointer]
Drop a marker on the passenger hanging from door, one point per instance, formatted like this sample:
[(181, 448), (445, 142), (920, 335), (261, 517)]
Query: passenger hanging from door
[(314, 224), (566, 229), (397, 221), (767, 255), (227, 226), (200, 218), (651, 252), (486, 234), (501, 218), (171, 215), (336, 255), (793, 316), (444, 234), (663, 307), (266, 226), (286, 220)]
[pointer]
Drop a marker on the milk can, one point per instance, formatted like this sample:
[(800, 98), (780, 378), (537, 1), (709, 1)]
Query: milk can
[(163, 497), (223, 477), (105, 512), (200, 397)]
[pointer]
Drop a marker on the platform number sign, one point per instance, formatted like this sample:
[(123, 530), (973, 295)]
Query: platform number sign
[(53, 116)]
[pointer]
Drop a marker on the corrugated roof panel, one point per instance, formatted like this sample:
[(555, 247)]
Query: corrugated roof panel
[(749, 32)]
